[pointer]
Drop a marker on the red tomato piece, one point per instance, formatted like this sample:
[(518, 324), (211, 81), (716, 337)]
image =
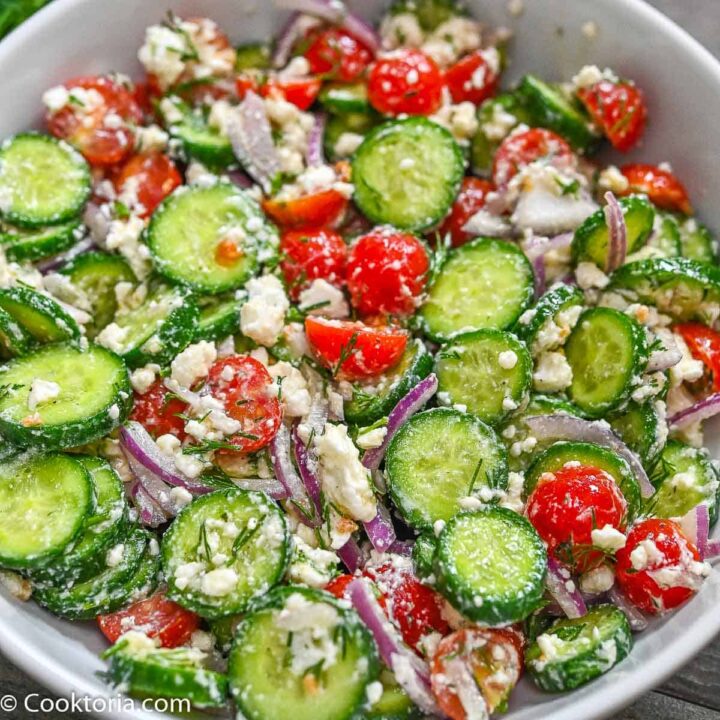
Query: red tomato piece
[(619, 109), (338, 585), (387, 273), (659, 568), (99, 121), (519, 149), (405, 81), (244, 84), (661, 186), (704, 344), (475, 77), (158, 411), (157, 617), (320, 209), (470, 199), (308, 255), (567, 505), (153, 175), (353, 350), (301, 92), (242, 385), (493, 659), (337, 54)]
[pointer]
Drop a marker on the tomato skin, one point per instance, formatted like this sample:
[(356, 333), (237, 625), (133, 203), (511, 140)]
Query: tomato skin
[(301, 92), (473, 78), (308, 255), (375, 349), (247, 397), (471, 198), (567, 505), (519, 149), (158, 617), (661, 186), (158, 411), (619, 109), (638, 585), (245, 84), (387, 273), (155, 176), (391, 89), (337, 54), (321, 209), (704, 345)]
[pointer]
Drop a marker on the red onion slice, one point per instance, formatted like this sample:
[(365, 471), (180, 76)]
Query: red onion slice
[(291, 31), (307, 467), (402, 547), (707, 408), (617, 231), (380, 529), (696, 525), (150, 514), (637, 620), (57, 261), (538, 266), (570, 601), (560, 426), (314, 154), (399, 415), (713, 550), (352, 555), (537, 246), (274, 488)]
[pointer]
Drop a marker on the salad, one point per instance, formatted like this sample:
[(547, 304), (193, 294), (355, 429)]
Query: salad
[(340, 382)]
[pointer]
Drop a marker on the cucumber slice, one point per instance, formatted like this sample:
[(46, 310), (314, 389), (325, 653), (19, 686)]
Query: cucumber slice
[(427, 479), (219, 317), (44, 501), (369, 403), (355, 123), (93, 398), (43, 181), (491, 564), (423, 554), (185, 231), (248, 529), (581, 649), (487, 371), (96, 274), (642, 427), (666, 235), (407, 173), (484, 284), (252, 56), (684, 478), (429, 13), (13, 339), (342, 98), (697, 242), (28, 245), (607, 352), (275, 666), (394, 704), (550, 108), (590, 242), (591, 455), (39, 315)]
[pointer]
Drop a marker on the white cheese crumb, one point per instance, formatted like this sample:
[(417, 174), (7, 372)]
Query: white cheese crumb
[(193, 363), (42, 391), (262, 317), (608, 538)]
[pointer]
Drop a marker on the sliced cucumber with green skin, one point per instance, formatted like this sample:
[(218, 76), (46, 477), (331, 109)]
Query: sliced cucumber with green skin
[(394, 704), (684, 289), (423, 554), (267, 665), (590, 455), (337, 125), (484, 284), (224, 631), (39, 315), (427, 479), (44, 501), (14, 340), (219, 317), (253, 537), (429, 13), (93, 398), (591, 239), (370, 403), (43, 181), (697, 242), (550, 108), (665, 237), (684, 478), (582, 649), (491, 564), (342, 98), (165, 673), (96, 274), (487, 371), (252, 56), (407, 173), (642, 427), (29, 245), (607, 352), (185, 231)]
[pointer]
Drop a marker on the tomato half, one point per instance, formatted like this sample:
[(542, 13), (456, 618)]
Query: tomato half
[(158, 411), (470, 199), (661, 186), (704, 344), (301, 92), (320, 209), (473, 78), (152, 176), (337, 54)]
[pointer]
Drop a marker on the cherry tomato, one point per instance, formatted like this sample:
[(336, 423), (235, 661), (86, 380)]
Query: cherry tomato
[(519, 149), (301, 92), (387, 273), (144, 95), (243, 385), (474, 77), (338, 585), (405, 81), (619, 109), (158, 411), (354, 350), (323, 208), (311, 254), (244, 84), (652, 546), (153, 176), (567, 505), (337, 54), (470, 199), (704, 344), (661, 186), (157, 617), (493, 659)]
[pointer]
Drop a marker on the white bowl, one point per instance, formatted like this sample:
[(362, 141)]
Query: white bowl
[(682, 84)]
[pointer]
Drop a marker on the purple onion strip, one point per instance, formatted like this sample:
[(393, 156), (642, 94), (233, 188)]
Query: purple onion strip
[(571, 601), (702, 410), (637, 620), (352, 555), (314, 152), (617, 229), (380, 529)]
